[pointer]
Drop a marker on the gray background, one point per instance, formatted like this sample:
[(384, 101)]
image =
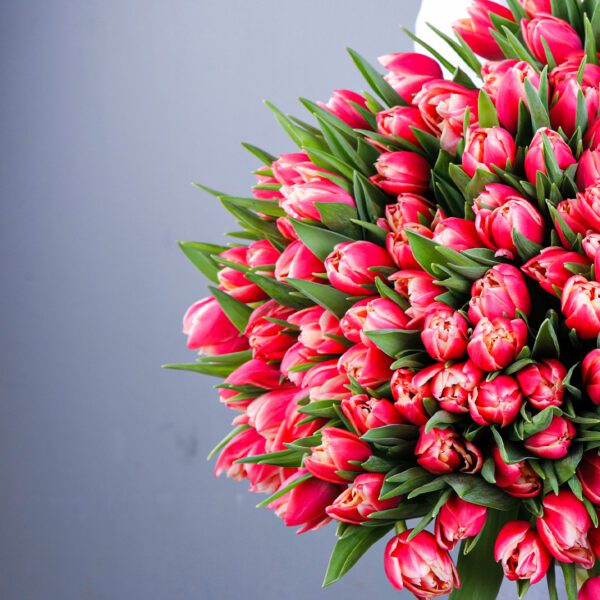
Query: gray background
[(109, 109)]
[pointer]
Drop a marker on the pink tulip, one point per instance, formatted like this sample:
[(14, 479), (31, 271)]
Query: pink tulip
[(402, 172), (325, 382), (563, 111), (507, 84), (581, 306), (340, 105), (266, 412), (209, 330), (268, 340), (318, 330), (456, 233), (590, 590), (517, 479), (443, 105), (591, 245), (496, 401), (339, 450), (590, 371), (420, 565), (535, 156), (381, 313), (560, 37), (296, 167), (398, 246), (442, 451), (261, 253), (399, 121), (564, 529), (349, 266), (588, 170), (458, 520), (353, 321), (263, 177), (591, 139), (496, 343), (549, 270), (501, 291), (588, 473), (419, 288), (475, 31), (298, 262), (409, 71), (410, 208), (488, 147), (451, 386), (366, 413), (492, 73), (521, 552), (588, 206), (554, 441), (369, 366), (286, 229), (295, 357), (360, 499), (534, 7), (542, 383), (293, 426), (444, 333), (305, 504), (234, 282), (300, 199), (408, 398), (570, 214)]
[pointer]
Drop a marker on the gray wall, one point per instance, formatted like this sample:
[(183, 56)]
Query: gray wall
[(109, 109)]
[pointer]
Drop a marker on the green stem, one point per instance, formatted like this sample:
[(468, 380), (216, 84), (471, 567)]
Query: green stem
[(551, 580), (400, 527), (570, 580)]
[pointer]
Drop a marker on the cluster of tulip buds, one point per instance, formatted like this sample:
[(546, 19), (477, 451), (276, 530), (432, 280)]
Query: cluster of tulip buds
[(408, 328)]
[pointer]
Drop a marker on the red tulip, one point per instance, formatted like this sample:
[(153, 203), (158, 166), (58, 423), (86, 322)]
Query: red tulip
[(535, 156), (400, 121), (521, 552), (444, 333), (501, 291), (542, 383), (534, 7), (266, 412), (590, 590), (592, 138), (325, 382), (398, 247), (554, 441), (408, 398), (319, 330), (209, 330), (268, 340), (299, 200), (456, 233), (353, 321), (564, 529), (409, 71), (581, 306), (339, 450), (442, 451), (563, 111), (341, 105), (492, 73), (402, 172), (298, 262), (381, 313), (420, 565), (560, 37), (360, 499), (570, 214), (496, 343), (588, 473), (452, 385), (588, 206), (369, 366), (590, 371), (488, 147), (458, 520), (507, 82), (366, 413), (410, 208), (517, 479), (348, 266), (496, 401)]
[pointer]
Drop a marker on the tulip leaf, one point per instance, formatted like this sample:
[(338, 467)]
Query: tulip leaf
[(233, 433), (201, 259), (349, 548), (319, 241), (546, 343), (284, 490), (388, 435), (423, 249), (278, 290), (284, 458), (217, 366), (338, 217), (237, 312), (442, 419), (262, 155), (473, 488), (394, 341), (266, 207), (301, 136), (326, 296)]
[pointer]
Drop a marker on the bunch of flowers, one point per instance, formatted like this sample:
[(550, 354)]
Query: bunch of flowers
[(407, 326)]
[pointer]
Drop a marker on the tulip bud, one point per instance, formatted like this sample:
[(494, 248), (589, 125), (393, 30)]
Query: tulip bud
[(517, 479), (266, 412), (521, 552), (533, 7), (444, 333), (581, 306), (549, 270), (369, 366), (456, 233), (381, 313), (420, 565), (399, 121), (507, 82), (564, 105), (402, 172), (590, 590), (496, 401), (286, 229), (458, 520), (268, 340), (298, 262), (542, 383), (318, 330), (349, 266), (488, 147), (290, 169), (496, 343), (443, 105), (502, 291), (234, 282), (419, 288), (590, 371), (591, 139), (410, 208), (340, 105), (476, 30), (299, 200), (398, 247), (305, 504), (295, 357), (570, 214), (366, 413), (263, 178), (409, 71), (209, 330), (325, 382), (408, 397), (564, 529), (559, 36), (339, 450), (442, 451), (452, 385), (353, 321), (588, 473), (535, 158), (360, 499), (554, 441), (588, 206), (591, 245)]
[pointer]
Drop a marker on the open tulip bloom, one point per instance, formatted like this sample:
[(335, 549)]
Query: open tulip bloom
[(407, 320)]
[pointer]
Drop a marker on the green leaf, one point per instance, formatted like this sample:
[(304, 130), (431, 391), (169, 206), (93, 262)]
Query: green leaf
[(284, 458), (278, 290), (441, 418), (488, 117), (251, 221), (423, 249), (201, 259), (546, 343), (237, 312), (568, 570), (204, 369), (320, 241), (394, 341), (463, 50), (284, 490), (262, 155), (348, 550), (233, 433), (300, 136), (266, 207), (338, 217), (324, 295), (473, 488), (437, 55), (389, 435)]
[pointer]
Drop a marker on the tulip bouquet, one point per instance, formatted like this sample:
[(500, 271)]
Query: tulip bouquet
[(407, 325)]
